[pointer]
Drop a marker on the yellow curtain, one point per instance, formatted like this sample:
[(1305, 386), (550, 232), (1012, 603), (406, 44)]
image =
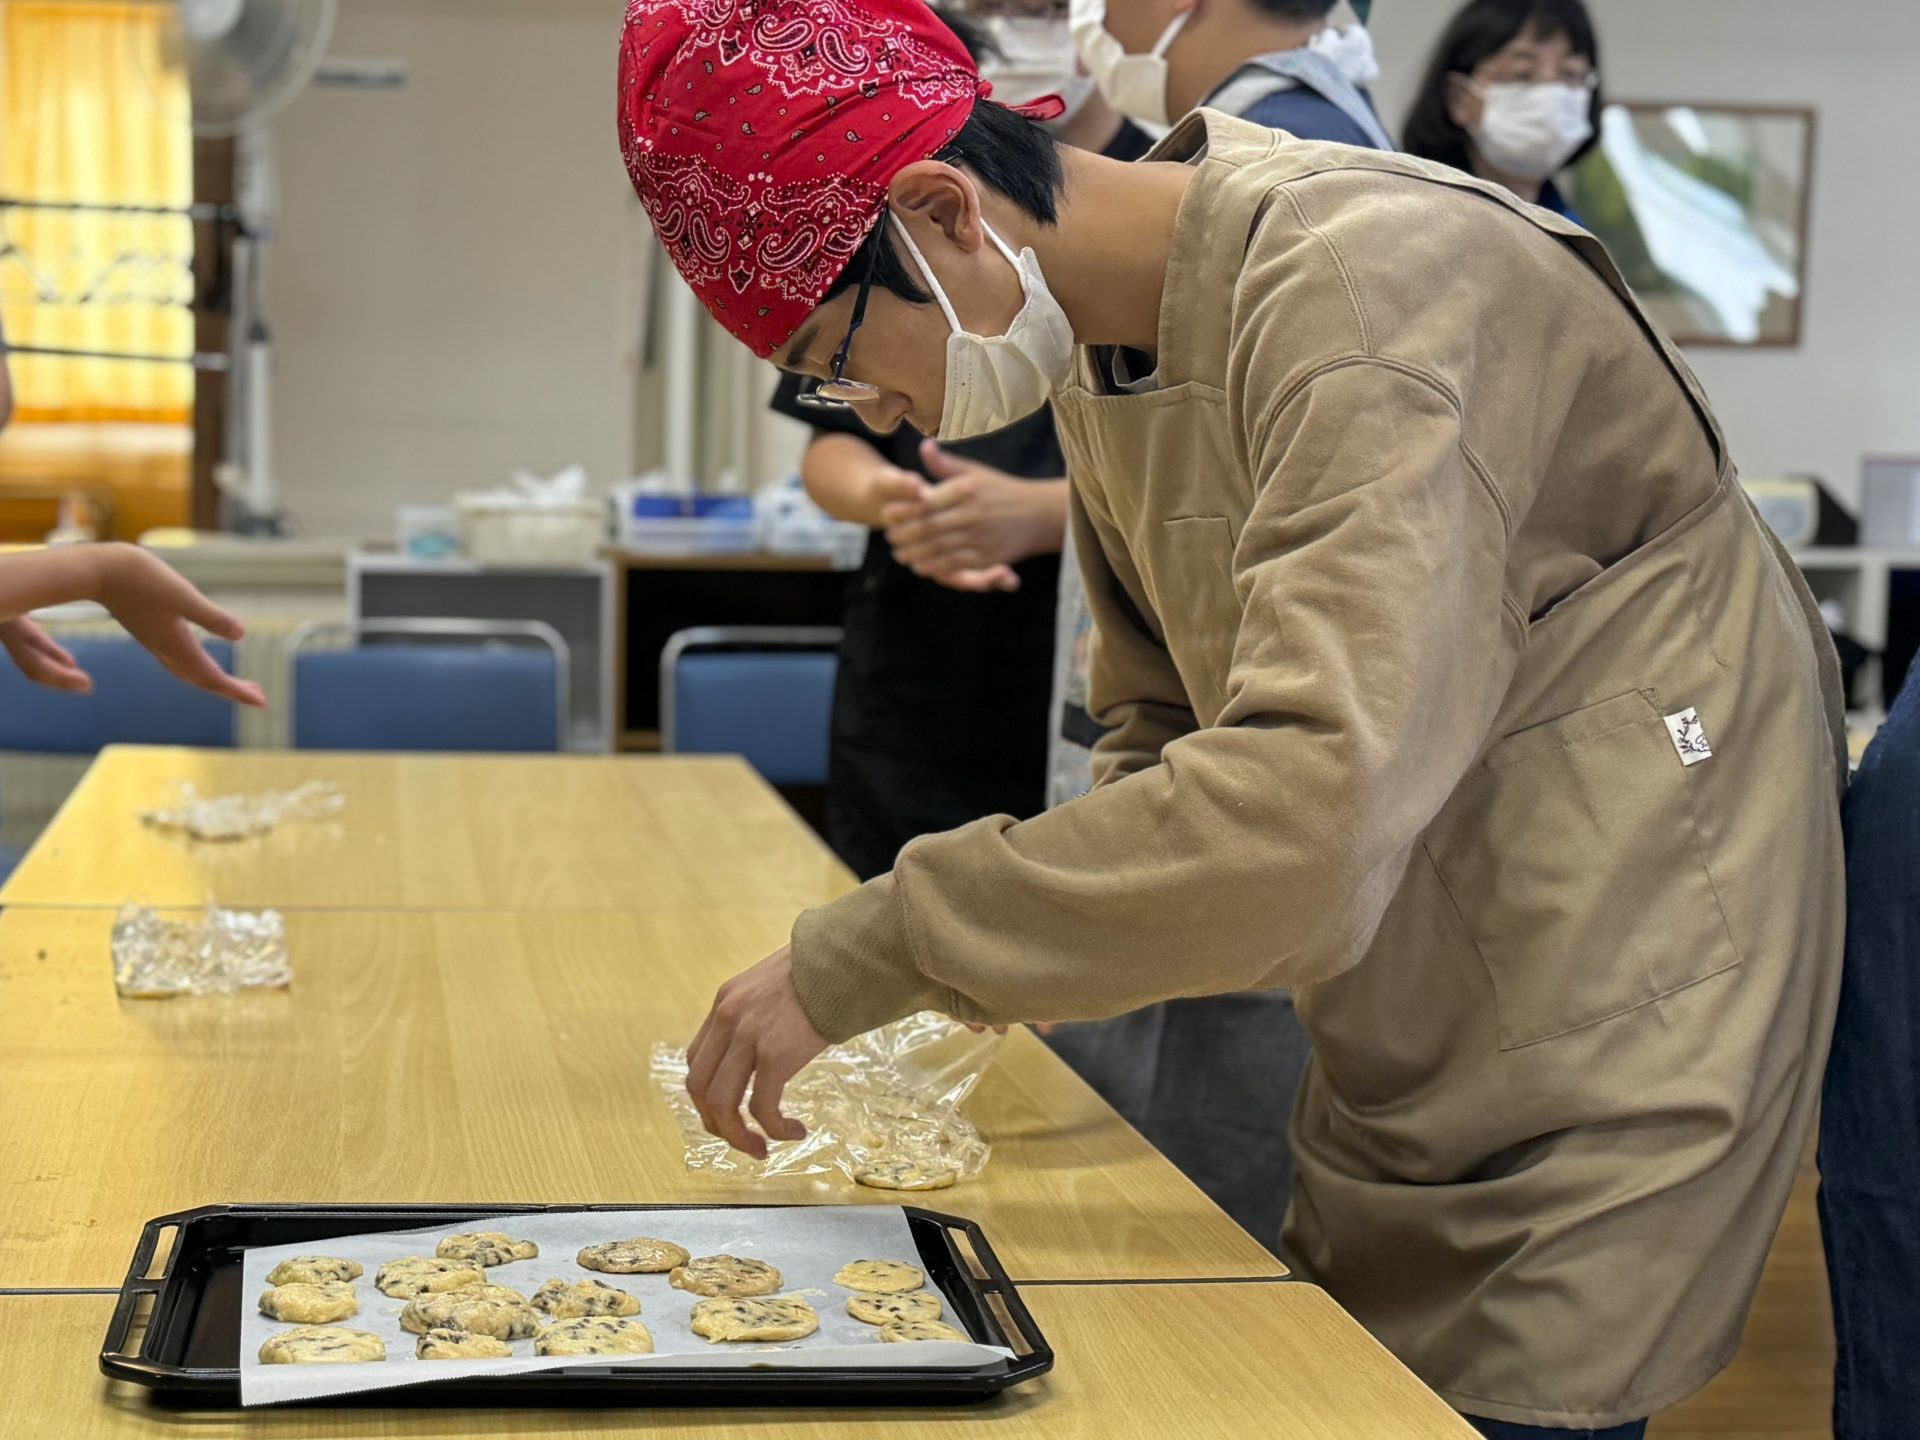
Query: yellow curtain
[(89, 113)]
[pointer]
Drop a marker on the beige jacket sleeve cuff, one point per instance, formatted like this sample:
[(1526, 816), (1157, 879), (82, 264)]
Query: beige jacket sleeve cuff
[(853, 964)]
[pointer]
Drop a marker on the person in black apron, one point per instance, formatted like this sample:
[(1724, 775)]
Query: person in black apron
[(941, 703), (1209, 1081)]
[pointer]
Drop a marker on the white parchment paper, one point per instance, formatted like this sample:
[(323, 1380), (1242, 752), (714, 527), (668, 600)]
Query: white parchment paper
[(806, 1243)]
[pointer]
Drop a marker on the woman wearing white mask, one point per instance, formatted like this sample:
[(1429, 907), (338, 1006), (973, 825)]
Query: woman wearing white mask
[(1512, 95)]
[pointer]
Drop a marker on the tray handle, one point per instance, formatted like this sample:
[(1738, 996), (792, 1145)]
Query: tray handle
[(996, 1282), (115, 1358)]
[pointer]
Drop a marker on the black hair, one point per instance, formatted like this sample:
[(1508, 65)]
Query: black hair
[(1483, 28), (1296, 9), (1006, 152)]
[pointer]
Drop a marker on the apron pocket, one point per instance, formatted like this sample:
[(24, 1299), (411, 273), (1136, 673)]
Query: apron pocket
[(1573, 855)]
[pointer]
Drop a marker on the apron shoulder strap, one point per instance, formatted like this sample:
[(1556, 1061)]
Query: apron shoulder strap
[(1266, 75)]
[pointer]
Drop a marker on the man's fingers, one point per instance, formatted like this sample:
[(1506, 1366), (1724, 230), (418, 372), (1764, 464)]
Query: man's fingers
[(901, 488), (211, 618), (70, 678), (43, 642), (940, 464), (704, 1054), (188, 659), (923, 527), (935, 563), (999, 579), (949, 495), (724, 1096), (900, 512), (769, 1084)]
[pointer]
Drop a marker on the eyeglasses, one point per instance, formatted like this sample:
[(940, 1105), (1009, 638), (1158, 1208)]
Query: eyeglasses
[(837, 392)]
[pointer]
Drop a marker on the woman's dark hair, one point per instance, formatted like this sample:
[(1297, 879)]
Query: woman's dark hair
[(1006, 152), (1483, 28)]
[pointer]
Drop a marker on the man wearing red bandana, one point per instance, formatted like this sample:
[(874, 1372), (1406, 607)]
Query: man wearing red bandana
[(1451, 681)]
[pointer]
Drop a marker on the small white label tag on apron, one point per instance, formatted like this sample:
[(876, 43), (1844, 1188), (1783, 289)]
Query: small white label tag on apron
[(1689, 740)]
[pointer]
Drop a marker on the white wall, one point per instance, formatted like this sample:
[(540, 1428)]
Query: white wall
[(1852, 387), (448, 283)]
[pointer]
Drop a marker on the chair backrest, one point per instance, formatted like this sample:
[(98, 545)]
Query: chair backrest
[(468, 685), (761, 692), (134, 701)]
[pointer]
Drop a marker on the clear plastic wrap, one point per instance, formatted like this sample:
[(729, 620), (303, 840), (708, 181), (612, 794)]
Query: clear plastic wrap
[(893, 1094), (213, 954), (241, 817)]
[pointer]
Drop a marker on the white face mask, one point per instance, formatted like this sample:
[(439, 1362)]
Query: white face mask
[(994, 380), (1531, 131), (1351, 48), (1036, 59), (1135, 85)]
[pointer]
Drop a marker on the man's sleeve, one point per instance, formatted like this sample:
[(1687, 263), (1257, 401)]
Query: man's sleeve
[(1374, 646)]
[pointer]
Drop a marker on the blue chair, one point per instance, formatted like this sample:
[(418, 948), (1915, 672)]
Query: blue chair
[(134, 701), (761, 692), (465, 685)]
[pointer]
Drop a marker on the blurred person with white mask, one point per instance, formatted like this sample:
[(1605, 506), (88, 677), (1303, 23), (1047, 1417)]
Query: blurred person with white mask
[(1211, 1080), (1278, 63), (946, 662), (1512, 94)]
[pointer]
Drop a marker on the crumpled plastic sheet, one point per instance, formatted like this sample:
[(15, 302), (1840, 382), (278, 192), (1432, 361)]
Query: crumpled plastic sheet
[(241, 817), (892, 1094), (213, 954)]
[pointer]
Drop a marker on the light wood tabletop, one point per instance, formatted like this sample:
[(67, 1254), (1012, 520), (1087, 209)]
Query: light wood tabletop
[(437, 832), (485, 1056), (1258, 1360)]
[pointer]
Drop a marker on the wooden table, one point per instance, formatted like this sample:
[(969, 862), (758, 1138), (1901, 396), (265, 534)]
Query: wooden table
[(484, 1056), (1256, 1360), (441, 832)]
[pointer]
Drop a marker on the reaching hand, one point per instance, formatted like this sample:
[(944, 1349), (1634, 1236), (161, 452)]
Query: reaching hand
[(156, 606), (41, 658), (755, 1036), (971, 528)]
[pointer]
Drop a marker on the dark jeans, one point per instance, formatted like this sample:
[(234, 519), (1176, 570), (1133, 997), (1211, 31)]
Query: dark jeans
[(1870, 1107), (1502, 1430), (1209, 1081)]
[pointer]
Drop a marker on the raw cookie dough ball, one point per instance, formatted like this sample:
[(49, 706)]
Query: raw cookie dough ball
[(571, 1299), (885, 1309), (639, 1256), (725, 1275), (460, 1345), (901, 1331), (903, 1175), (322, 1345), (880, 1277), (594, 1335), (486, 1247), (424, 1275), (492, 1310), (781, 1317), (313, 1270), (301, 1304)]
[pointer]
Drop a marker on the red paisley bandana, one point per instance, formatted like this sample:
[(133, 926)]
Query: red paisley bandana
[(761, 135)]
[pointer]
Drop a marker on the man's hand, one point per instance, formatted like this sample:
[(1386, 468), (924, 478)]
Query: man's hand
[(755, 1036), (156, 606), (971, 528), (41, 658)]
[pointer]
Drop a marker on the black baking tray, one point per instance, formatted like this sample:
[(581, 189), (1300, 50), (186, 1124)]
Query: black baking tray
[(189, 1310)]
